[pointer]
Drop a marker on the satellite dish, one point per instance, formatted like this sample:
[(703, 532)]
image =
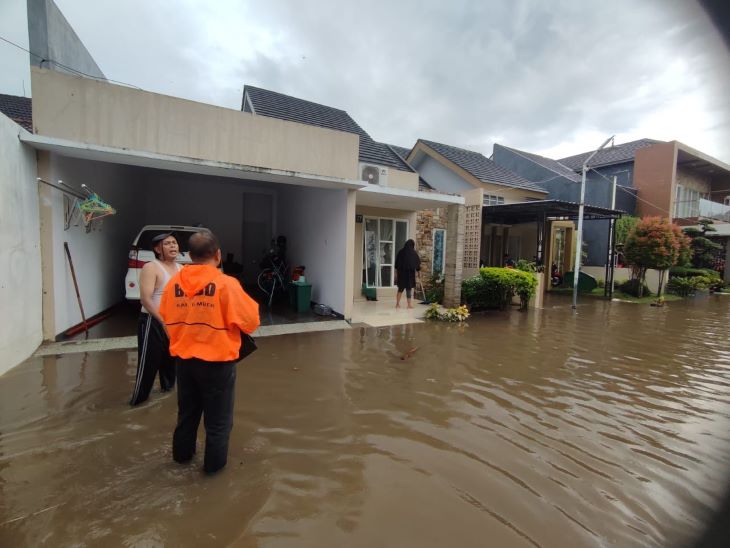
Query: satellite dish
[(371, 174)]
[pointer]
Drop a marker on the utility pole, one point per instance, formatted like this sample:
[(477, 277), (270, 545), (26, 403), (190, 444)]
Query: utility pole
[(581, 208)]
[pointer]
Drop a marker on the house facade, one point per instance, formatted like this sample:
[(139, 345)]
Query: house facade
[(448, 169)]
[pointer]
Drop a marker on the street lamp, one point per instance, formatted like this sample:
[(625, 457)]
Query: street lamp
[(579, 242)]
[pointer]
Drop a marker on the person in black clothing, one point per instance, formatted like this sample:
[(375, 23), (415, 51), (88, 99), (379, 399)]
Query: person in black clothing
[(407, 263)]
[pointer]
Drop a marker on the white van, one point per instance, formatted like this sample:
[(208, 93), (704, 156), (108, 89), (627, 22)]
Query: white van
[(141, 253)]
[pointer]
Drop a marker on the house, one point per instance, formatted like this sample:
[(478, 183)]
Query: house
[(653, 177), (344, 201), (482, 182), (562, 178)]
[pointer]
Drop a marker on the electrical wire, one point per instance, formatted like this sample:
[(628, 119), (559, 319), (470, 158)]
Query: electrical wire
[(70, 69)]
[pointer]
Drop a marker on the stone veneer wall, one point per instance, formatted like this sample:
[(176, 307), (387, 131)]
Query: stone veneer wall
[(455, 241), (426, 221)]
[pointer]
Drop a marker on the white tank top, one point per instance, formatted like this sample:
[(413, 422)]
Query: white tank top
[(157, 293)]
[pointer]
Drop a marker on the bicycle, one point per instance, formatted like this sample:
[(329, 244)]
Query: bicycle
[(273, 275)]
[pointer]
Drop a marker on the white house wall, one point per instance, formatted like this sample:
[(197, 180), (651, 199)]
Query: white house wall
[(439, 176), (20, 277), (100, 256), (314, 222)]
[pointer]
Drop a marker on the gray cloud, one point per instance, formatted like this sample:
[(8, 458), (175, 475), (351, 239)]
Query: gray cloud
[(536, 75)]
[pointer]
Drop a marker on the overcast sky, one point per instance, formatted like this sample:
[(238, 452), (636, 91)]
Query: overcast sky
[(554, 77)]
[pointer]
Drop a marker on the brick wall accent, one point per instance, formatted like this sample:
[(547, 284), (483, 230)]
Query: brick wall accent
[(426, 221)]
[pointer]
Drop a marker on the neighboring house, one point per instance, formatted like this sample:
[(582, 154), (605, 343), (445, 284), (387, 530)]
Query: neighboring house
[(668, 179), (677, 181), (562, 178), (453, 170), (18, 109)]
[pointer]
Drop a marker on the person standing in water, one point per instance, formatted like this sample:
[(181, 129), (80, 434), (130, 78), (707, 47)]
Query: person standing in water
[(205, 312), (153, 346), (407, 263)]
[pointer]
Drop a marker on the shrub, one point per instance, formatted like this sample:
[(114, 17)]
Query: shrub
[(631, 287), (525, 266), (458, 314), (687, 272), (494, 287), (682, 286)]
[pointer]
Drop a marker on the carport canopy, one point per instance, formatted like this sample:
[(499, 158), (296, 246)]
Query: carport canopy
[(544, 210)]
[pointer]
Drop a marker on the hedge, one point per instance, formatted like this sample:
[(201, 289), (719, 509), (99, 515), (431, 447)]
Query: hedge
[(494, 287)]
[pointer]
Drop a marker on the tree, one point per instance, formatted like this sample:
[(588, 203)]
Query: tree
[(624, 226), (704, 250), (653, 243)]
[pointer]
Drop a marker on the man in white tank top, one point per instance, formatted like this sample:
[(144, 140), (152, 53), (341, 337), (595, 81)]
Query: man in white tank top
[(153, 346)]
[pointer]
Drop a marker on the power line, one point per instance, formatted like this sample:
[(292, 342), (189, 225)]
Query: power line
[(70, 69)]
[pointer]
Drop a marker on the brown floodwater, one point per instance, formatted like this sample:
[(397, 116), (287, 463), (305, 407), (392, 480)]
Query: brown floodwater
[(545, 428)]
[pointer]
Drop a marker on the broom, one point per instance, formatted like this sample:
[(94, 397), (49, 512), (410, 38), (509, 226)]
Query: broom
[(423, 292)]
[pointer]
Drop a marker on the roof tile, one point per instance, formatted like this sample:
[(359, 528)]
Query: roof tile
[(611, 155), (482, 167), (18, 109), (284, 107)]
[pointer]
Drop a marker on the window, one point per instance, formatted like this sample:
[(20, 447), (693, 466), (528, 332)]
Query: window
[(686, 202), (439, 251), (491, 199), (382, 239)]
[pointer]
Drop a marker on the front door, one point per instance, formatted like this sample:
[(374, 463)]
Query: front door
[(382, 239)]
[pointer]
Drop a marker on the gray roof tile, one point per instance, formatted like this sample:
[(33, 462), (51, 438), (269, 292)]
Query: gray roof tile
[(482, 167), (18, 109), (284, 107), (553, 165), (611, 155)]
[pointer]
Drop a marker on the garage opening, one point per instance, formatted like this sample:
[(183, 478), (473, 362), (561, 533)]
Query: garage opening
[(251, 219)]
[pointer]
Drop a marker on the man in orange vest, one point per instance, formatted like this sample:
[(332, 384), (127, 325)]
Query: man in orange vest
[(205, 312)]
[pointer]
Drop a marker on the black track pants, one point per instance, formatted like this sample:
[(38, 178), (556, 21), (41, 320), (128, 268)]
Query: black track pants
[(153, 351), (207, 389)]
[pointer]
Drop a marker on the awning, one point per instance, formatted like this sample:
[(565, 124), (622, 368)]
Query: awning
[(397, 198), (540, 210), (74, 149)]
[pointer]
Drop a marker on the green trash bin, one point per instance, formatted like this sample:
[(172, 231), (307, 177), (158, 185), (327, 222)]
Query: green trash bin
[(300, 296)]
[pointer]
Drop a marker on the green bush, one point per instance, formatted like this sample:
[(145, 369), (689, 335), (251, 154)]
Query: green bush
[(494, 287), (685, 272), (525, 266), (682, 286), (631, 287)]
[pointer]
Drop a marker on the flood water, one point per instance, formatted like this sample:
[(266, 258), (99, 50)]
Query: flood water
[(545, 428)]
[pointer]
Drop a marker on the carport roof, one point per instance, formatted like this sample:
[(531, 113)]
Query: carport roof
[(75, 149), (525, 212)]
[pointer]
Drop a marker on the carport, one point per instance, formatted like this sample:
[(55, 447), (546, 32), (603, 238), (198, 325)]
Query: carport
[(543, 217), (245, 206)]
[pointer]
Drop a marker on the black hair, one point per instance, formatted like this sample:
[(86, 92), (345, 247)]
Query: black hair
[(203, 245), (410, 244)]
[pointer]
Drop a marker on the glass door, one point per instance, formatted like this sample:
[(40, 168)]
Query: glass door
[(381, 240)]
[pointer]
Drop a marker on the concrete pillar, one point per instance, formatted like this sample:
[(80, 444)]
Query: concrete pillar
[(456, 220)]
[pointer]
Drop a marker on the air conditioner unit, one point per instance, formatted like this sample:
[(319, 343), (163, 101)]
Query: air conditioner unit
[(375, 175)]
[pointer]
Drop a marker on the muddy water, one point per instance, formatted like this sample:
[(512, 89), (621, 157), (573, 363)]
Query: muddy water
[(523, 429)]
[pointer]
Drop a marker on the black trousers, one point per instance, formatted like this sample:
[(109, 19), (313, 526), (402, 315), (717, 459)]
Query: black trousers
[(207, 389), (153, 356)]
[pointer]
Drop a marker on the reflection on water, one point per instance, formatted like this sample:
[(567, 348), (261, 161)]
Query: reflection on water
[(609, 427)]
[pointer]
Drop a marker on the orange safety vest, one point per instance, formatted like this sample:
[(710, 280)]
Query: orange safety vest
[(204, 312)]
